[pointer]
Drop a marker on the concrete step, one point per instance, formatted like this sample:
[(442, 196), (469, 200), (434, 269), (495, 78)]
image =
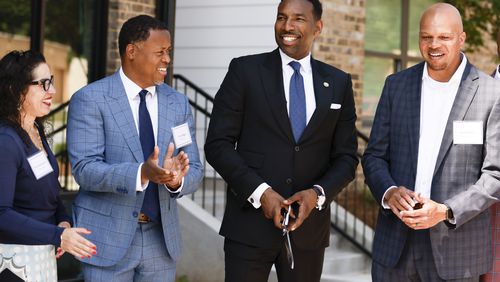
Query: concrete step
[(343, 257), (340, 262), (359, 276), (363, 276)]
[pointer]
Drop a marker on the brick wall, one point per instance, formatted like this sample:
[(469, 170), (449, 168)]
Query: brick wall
[(119, 12), (341, 43)]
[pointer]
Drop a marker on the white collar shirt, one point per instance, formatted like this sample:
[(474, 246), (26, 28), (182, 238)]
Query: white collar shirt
[(306, 72), (436, 102), (497, 72), (132, 90)]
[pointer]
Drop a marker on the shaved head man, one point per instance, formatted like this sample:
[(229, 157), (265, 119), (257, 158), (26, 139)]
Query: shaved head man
[(433, 161), (441, 39)]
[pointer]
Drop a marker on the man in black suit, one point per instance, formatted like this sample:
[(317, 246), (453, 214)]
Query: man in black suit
[(282, 127)]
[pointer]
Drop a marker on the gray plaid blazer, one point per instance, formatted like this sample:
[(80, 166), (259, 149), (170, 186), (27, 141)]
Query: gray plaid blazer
[(466, 177)]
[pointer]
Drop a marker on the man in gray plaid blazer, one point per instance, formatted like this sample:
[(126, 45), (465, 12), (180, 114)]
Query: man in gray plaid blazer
[(433, 161)]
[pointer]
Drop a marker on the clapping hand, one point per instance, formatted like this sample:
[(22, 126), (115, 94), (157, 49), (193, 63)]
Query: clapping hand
[(173, 170), (178, 166), (74, 243)]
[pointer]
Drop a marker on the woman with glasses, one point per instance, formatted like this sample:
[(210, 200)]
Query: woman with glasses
[(33, 221)]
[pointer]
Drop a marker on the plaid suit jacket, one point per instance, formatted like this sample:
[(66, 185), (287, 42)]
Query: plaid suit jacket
[(466, 177), (494, 274)]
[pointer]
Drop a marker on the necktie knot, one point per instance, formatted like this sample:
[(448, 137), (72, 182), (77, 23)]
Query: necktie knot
[(143, 94), (295, 66)]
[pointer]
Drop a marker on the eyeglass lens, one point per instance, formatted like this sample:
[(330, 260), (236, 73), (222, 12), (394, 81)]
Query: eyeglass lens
[(47, 82)]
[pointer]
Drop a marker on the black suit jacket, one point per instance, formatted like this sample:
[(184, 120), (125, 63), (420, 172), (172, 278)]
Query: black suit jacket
[(250, 141)]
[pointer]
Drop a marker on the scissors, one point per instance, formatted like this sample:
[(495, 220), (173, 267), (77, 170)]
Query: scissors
[(288, 245), (286, 220)]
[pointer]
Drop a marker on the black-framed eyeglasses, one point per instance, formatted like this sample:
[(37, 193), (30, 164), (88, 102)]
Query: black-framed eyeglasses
[(44, 82)]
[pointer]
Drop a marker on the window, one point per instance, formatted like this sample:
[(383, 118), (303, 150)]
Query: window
[(391, 45), (71, 34), (66, 46)]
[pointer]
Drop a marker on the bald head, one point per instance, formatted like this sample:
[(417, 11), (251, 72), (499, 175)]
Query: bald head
[(441, 39), (440, 13)]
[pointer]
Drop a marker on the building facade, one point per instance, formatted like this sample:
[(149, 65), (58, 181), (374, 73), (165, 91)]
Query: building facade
[(369, 39)]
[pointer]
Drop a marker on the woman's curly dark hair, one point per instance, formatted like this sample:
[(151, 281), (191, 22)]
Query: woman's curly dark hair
[(16, 74)]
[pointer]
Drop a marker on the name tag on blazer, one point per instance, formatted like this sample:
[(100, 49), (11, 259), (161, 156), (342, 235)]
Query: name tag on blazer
[(468, 132), (40, 165), (335, 106)]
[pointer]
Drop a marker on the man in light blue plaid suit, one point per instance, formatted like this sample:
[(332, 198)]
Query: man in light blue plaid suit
[(120, 132), (433, 161)]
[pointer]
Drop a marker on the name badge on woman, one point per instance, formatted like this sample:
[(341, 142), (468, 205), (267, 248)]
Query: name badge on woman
[(40, 165)]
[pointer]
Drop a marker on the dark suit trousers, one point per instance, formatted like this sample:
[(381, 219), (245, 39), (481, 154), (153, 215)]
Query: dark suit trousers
[(252, 264), (415, 265)]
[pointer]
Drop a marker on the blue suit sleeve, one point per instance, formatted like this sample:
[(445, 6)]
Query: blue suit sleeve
[(375, 160), (87, 148), (195, 173)]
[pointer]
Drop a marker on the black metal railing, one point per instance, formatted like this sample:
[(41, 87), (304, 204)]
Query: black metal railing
[(354, 209), (56, 134), (211, 195)]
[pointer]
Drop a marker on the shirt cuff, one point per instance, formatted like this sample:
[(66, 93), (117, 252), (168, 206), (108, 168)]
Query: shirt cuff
[(254, 199), (384, 204), (320, 188), (178, 189), (138, 186)]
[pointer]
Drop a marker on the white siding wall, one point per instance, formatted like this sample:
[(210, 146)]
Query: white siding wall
[(209, 33)]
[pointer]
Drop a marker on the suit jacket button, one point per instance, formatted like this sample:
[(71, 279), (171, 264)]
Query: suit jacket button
[(288, 181), (297, 148), (135, 214)]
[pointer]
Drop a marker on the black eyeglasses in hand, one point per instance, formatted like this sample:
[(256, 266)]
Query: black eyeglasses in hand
[(44, 82)]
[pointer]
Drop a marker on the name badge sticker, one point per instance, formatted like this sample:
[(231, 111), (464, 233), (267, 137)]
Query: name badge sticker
[(40, 165), (468, 132), (182, 136)]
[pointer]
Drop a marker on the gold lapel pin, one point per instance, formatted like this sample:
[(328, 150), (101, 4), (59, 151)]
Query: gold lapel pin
[(326, 84)]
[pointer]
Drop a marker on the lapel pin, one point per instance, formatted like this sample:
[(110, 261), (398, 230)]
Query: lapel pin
[(326, 84)]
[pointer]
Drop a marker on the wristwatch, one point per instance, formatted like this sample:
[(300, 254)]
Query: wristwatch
[(449, 214), (321, 196)]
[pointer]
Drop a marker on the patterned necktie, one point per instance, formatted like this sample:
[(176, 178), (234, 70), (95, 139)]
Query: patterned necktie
[(151, 204), (297, 102)]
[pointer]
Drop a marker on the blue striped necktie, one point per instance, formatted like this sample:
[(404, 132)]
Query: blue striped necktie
[(297, 102)]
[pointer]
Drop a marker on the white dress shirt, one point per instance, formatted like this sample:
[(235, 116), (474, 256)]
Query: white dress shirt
[(497, 73), (132, 90), (436, 102), (306, 72)]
